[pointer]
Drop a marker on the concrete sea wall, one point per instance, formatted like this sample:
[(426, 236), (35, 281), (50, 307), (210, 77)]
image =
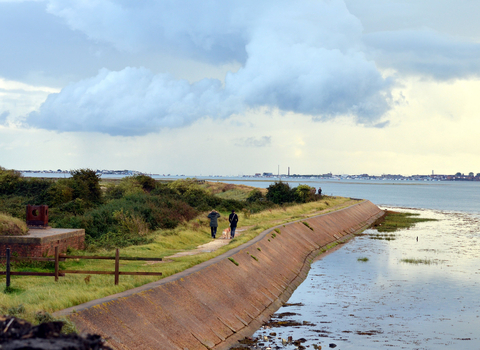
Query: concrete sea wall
[(216, 303)]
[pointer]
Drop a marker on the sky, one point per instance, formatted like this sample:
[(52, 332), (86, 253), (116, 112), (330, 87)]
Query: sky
[(230, 87)]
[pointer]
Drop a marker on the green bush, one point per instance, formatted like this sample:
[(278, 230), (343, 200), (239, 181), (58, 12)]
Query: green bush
[(9, 180), (279, 193), (304, 194), (86, 185), (255, 195)]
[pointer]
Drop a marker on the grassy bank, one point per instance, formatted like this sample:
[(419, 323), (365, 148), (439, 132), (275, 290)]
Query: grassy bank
[(31, 295)]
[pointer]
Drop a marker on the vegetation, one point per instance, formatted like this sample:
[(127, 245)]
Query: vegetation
[(385, 237), (308, 225), (10, 226), (146, 218), (281, 192), (394, 221), (364, 259), (419, 261)]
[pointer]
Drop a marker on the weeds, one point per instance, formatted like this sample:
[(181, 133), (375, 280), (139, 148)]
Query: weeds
[(393, 221), (306, 224), (364, 259), (420, 261), (233, 261), (385, 237)]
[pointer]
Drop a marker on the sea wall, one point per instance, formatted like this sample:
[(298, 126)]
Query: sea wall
[(216, 303)]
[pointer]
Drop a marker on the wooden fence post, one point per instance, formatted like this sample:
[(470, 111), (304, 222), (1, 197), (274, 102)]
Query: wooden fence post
[(8, 267), (117, 266), (56, 263)]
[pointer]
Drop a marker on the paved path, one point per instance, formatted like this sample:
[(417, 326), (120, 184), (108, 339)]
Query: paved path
[(208, 247)]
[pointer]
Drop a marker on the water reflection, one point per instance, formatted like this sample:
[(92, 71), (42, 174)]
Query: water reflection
[(409, 294)]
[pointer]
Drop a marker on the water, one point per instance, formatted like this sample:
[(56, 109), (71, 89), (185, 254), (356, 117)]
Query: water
[(386, 302), (443, 195)]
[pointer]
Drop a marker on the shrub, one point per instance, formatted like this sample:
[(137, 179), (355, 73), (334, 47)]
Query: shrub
[(279, 193), (304, 194), (9, 180), (131, 223), (86, 185), (146, 182), (60, 192), (255, 195)]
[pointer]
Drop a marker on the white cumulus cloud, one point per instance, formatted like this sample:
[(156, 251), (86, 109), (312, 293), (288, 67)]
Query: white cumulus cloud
[(303, 56)]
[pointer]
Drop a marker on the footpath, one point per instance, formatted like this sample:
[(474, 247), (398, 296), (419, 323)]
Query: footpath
[(220, 242)]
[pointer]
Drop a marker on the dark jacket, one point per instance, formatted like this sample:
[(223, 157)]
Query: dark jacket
[(213, 216), (233, 218)]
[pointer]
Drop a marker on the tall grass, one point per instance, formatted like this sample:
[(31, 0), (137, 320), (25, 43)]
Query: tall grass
[(10, 226)]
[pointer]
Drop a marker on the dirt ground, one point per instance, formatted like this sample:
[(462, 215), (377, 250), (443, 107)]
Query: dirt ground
[(19, 334)]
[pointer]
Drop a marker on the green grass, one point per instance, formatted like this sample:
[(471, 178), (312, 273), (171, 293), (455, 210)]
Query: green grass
[(394, 221), (233, 261), (43, 294), (364, 259), (306, 224), (420, 261)]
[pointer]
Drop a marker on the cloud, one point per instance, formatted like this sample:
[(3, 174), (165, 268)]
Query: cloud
[(3, 117), (425, 53), (305, 57), (133, 101), (254, 141)]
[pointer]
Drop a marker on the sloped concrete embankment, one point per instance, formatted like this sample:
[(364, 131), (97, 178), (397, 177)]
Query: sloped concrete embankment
[(219, 302)]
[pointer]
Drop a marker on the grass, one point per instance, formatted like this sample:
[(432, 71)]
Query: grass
[(364, 259), (420, 261), (43, 294), (229, 191), (306, 224), (394, 221), (10, 226)]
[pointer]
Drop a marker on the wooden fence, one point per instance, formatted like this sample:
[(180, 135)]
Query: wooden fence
[(62, 257)]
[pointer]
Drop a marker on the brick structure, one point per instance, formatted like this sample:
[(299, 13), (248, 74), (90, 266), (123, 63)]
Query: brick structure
[(37, 216), (42, 242)]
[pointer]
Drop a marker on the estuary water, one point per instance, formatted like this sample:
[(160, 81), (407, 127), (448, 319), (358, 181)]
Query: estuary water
[(418, 290)]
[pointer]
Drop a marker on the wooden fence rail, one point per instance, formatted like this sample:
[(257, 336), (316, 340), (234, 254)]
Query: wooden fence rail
[(62, 257)]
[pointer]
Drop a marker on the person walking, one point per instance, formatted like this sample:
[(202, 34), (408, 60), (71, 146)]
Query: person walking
[(213, 216), (233, 218)]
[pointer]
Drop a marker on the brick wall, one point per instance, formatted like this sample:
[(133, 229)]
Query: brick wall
[(43, 249)]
